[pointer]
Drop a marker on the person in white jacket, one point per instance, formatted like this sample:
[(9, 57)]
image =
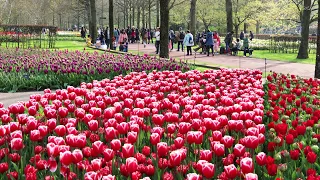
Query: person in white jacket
[(188, 41)]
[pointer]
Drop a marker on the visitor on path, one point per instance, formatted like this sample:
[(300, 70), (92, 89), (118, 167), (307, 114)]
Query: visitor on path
[(157, 36), (228, 41), (144, 37), (181, 38), (137, 35), (123, 36), (246, 47), (102, 37), (236, 47), (172, 38), (251, 36), (209, 42), (217, 42), (116, 35), (133, 35), (107, 37), (241, 35), (188, 41)]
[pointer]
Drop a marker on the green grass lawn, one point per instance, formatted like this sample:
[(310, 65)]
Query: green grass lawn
[(261, 54)]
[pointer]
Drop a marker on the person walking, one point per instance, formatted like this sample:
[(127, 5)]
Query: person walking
[(217, 42), (241, 35), (188, 41), (246, 46), (251, 36), (149, 35), (157, 36), (137, 35), (209, 42), (123, 37), (83, 34), (181, 38), (228, 40), (144, 37), (116, 35), (172, 38), (107, 37)]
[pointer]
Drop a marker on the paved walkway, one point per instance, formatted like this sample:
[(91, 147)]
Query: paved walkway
[(303, 70)]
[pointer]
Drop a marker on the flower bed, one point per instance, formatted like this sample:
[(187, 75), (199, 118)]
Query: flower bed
[(292, 115), (40, 69), (162, 125)]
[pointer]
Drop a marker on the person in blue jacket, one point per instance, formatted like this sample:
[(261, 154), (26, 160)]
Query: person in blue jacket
[(209, 42)]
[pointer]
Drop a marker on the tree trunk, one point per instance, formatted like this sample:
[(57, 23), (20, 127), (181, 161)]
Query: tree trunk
[(143, 16), (229, 15), (138, 17), (237, 30), (93, 30), (304, 43), (149, 13), (245, 27), (111, 25), (317, 68), (164, 28), (193, 17), (158, 10), (89, 16), (258, 27), (133, 14)]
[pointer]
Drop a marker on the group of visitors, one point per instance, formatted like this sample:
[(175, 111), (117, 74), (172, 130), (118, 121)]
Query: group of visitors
[(236, 45)]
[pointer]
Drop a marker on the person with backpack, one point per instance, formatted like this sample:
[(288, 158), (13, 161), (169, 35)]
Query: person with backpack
[(181, 38), (172, 38), (188, 41), (209, 42)]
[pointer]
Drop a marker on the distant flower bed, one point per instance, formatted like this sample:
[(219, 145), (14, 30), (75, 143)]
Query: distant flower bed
[(39, 69)]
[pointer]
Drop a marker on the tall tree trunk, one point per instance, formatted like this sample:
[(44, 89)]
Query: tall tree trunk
[(93, 30), (89, 16), (304, 43), (158, 12), (164, 28), (229, 15), (245, 27), (317, 68), (258, 27), (149, 13), (130, 13), (193, 17), (138, 17), (237, 30), (111, 25)]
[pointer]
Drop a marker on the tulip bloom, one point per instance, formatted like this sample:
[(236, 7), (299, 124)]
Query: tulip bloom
[(246, 165)]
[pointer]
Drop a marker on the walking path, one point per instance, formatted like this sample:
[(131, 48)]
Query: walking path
[(302, 70)]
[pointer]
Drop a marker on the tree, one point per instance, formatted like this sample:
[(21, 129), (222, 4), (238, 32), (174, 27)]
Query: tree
[(305, 23), (93, 27), (229, 15), (193, 16), (164, 28), (317, 68), (111, 25)]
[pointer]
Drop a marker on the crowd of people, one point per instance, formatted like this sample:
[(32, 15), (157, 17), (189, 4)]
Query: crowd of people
[(208, 41)]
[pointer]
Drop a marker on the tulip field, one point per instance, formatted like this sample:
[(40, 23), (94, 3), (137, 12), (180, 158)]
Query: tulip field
[(220, 124), (32, 69)]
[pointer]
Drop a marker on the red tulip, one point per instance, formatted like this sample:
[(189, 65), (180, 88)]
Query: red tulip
[(231, 171), (208, 170), (16, 144), (96, 164), (146, 150), (60, 130), (154, 138), (179, 142), (246, 165), (66, 158), (150, 170), (97, 147), (93, 125), (251, 142), (111, 133), (132, 137), (115, 144), (131, 164), (128, 150), (219, 149), (77, 156), (261, 159), (4, 167), (175, 158), (108, 154), (251, 176), (227, 141), (311, 157), (193, 176), (162, 149), (206, 155), (63, 112)]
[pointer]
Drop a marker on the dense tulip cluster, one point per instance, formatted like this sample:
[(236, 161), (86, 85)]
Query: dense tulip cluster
[(292, 118), (162, 125), (35, 69)]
